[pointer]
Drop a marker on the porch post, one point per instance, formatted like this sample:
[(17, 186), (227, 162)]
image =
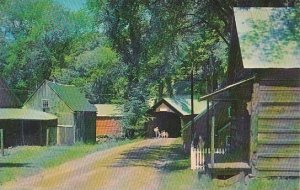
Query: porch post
[(212, 139), (207, 125)]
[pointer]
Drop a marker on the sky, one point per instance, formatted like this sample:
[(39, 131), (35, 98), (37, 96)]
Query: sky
[(73, 5)]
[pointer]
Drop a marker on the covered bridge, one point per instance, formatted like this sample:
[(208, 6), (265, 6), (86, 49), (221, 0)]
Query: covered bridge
[(171, 114)]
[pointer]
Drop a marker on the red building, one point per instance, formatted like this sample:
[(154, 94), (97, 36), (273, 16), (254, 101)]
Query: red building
[(109, 120)]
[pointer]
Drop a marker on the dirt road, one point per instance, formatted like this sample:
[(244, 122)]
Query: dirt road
[(130, 166)]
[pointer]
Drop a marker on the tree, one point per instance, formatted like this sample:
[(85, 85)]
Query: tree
[(37, 37)]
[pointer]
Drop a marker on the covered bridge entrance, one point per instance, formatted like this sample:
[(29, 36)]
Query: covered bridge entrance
[(169, 122), (170, 114)]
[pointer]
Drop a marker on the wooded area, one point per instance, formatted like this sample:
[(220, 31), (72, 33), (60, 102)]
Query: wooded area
[(125, 52)]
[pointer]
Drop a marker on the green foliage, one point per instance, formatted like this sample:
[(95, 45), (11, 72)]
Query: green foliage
[(36, 40), (126, 52)]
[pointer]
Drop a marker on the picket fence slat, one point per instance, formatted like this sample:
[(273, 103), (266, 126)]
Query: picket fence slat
[(199, 154)]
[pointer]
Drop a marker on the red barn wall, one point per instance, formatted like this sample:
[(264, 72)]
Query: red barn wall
[(108, 126)]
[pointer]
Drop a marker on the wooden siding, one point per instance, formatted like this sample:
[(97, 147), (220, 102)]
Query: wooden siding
[(65, 131), (108, 126), (275, 126), (85, 123)]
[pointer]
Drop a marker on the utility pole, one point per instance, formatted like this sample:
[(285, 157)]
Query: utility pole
[(192, 103), (207, 114)]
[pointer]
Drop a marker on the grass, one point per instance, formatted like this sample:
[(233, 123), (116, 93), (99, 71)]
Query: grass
[(174, 169), (178, 175), (28, 160), (177, 172)]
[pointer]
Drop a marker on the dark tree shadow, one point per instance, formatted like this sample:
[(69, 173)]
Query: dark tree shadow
[(163, 158), (14, 165)]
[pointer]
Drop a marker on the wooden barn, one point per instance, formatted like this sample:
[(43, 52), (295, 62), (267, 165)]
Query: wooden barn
[(109, 118), (264, 89), (170, 114), (27, 127), (23, 126), (76, 116)]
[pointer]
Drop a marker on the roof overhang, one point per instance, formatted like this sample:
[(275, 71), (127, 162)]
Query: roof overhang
[(226, 88), (25, 114), (166, 103), (268, 37)]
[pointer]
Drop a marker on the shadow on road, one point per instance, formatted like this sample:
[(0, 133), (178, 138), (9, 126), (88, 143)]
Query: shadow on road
[(13, 165), (163, 158)]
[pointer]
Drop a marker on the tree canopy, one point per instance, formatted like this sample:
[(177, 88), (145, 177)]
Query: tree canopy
[(130, 52)]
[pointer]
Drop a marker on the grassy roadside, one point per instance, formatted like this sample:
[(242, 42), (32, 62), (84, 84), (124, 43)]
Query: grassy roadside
[(28, 160), (178, 175)]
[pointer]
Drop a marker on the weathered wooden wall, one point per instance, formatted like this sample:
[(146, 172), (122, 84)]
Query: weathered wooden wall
[(34, 132), (85, 124), (275, 128), (65, 130)]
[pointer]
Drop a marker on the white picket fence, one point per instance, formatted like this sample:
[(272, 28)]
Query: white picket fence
[(198, 155)]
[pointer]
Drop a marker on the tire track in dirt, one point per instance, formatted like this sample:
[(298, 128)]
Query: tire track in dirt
[(121, 167)]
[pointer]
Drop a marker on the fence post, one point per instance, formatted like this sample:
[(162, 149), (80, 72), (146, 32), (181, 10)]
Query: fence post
[(47, 136), (192, 158), (1, 142), (200, 156)]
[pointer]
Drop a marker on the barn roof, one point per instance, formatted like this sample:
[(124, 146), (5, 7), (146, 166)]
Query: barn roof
[(269, 37), (109, 110), (182, 105), (24, 114), (72, 96)]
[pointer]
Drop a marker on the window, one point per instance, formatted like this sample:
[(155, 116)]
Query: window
[(45, 104)]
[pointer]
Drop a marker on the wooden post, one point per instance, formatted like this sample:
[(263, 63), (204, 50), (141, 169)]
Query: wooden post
[(212, 142), (47, 137), (1, 142), (207, 124), (58, 135), (22, 131), (41, 133)]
